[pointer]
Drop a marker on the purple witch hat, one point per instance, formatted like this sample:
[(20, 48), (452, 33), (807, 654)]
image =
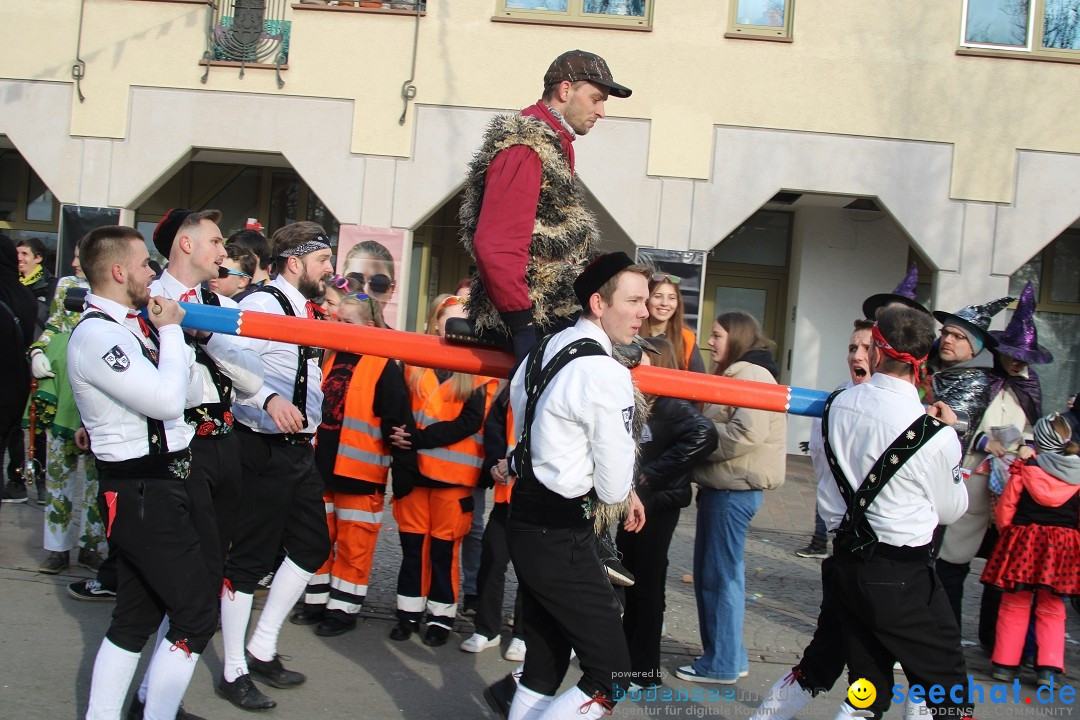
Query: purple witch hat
[(975, 319), (1020, 340), (903, 294)]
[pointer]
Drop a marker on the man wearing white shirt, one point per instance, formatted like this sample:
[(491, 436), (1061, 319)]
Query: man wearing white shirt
[(889, 475), (282, 504), (131, 386), (573, 408), (193, 244), (226, 364)]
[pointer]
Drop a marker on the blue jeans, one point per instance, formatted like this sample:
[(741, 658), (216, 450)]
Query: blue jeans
[(820, 531), (723, 518), (470, 546)]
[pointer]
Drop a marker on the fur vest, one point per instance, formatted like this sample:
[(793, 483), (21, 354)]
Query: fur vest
[(564, 235)]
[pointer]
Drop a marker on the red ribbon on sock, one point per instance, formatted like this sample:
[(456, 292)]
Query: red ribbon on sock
[(110, 502)]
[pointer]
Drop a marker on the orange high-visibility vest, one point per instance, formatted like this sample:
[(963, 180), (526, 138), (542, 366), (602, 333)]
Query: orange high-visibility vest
[(458, 463), (363, 454), (503, 492), (689, 346)]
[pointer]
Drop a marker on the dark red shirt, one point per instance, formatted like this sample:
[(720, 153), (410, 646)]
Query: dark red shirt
[(508, 215)]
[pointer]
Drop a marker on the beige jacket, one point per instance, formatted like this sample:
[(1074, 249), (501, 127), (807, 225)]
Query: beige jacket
[(752, 452)]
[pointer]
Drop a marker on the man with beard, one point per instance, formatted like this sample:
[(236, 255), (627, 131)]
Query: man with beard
[(523, 215), (131, 385), (282, 503), (193, 244), (962, 377)]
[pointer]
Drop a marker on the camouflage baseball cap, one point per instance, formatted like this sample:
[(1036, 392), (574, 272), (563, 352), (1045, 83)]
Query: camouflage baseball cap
[(577, 65)]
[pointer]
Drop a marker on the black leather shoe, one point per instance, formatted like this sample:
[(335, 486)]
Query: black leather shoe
[(404, 630), (310, 615), (273, 673), (500, 696), (335, 623), (436, 636), (242, 693)]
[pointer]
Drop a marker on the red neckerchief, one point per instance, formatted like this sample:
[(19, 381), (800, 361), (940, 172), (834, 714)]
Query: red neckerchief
[(883, 344)]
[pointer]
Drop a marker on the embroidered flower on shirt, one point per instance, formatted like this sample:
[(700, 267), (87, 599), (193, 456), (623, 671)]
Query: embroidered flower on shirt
[(180, 468), (910, 434), (893, 459), (872, 477)]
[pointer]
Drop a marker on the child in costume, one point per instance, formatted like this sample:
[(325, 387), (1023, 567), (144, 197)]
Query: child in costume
[(1038, 551)]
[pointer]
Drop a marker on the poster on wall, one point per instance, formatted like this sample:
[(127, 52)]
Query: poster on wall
[(687, 266), (375, 254), (75, 222)]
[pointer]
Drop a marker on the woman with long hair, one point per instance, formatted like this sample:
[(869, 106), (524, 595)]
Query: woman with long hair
[(364, 399), (433, 504), (666, 321), (749, 459), (676, 438)]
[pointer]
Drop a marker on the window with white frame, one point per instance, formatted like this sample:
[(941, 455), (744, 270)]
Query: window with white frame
[(613, 13), (1040, 27), (770, 19)]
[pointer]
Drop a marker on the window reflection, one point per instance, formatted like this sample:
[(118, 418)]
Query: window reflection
[(998, 22), (767, 13)]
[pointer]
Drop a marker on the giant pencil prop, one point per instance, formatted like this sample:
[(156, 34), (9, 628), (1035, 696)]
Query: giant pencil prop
[(430, 351)]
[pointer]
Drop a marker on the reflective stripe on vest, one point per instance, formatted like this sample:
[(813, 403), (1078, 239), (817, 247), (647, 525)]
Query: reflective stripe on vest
[(458, 463), (362, 452)]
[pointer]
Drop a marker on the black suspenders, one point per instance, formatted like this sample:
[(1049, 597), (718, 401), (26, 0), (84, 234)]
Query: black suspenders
[(155, 429), (855, 535), (299, 398)]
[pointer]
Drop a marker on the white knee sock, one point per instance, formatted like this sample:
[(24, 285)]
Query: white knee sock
[(113, 670), (568, 706), (528, 705), (288, 585), (846, 712), (162, 630), (784, 699), (235, 613), (170, 673)]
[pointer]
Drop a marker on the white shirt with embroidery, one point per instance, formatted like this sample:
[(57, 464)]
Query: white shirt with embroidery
[(924, 493), (582, 433), (231, 354), (279, 362), (116, 387)]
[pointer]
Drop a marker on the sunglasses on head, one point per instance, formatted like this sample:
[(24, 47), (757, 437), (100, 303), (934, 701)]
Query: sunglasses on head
[(450, 302), (664, 277), (341, 283), (224, 272), (379, 284)]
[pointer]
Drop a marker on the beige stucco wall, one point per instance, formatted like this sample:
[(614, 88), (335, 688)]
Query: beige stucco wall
[(873, 68)]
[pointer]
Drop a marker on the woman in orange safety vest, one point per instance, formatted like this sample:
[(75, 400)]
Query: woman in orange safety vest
[(433, 503), (364, 397)]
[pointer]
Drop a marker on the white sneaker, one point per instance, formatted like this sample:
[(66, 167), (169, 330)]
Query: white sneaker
[(479, 643), (516, 651)]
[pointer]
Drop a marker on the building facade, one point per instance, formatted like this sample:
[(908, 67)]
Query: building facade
[(798, 155)]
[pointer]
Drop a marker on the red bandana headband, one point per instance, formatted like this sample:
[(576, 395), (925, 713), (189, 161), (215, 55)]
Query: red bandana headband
[(883, 344)]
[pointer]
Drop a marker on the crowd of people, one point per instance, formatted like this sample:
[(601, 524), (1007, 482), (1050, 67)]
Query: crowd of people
[(216, 464)]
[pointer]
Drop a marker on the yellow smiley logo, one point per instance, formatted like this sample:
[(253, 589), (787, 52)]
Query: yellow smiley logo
[(862, 693)]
